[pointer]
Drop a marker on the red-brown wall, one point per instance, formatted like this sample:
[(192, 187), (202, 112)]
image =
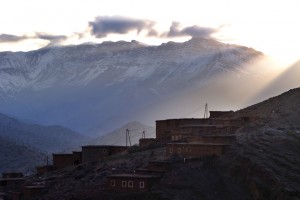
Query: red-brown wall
[(191, 150)]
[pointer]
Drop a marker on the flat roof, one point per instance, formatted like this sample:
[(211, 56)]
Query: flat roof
[(62, 154), (197, 125), (218, 135), (205, 125), (182, 119), (198, 144), (228, 111), (224, 118), (101, 146), (148, 139), (133, 176)]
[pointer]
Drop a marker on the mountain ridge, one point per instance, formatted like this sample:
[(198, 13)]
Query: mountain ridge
[(95, 88)]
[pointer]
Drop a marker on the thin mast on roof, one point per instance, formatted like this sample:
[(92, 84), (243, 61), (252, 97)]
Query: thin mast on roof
[(206, 111), (144, 134), (128, 137)]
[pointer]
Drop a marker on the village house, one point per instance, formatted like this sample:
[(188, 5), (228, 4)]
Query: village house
[(62, 160), (98, 152), (40, 170), (213, 139), (194, 150), (131, 182), (11, 184), (219, 123), (146, 142), (220, 114), (33, 191)]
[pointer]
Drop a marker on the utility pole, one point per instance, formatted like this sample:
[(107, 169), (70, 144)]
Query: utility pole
[(206, 111), (127, 137), (144, 135)]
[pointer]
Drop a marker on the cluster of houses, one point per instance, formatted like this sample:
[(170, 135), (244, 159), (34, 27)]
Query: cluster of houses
[(183, 138)]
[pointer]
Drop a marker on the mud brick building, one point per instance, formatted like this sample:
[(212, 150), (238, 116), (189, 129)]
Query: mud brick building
[(220, 114), (98, 152), (194, 150), (77, 157), (62, 160), (146, 142), (35, 191), (11, 184), (131, 182), (213, 139), (40, 170)]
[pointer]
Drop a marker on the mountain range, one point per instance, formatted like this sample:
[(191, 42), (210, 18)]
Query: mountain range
[(16, 157), (46, 139), (94, 88)]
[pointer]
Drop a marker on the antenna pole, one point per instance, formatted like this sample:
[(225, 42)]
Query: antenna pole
[(129, 139), (206, 111), (127, 133)]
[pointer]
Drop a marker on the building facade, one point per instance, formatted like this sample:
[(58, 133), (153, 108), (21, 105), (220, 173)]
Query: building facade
[(194, 150), (131, 182), (92, 153)]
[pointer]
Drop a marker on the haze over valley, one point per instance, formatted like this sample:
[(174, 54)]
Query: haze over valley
[(118, 99)]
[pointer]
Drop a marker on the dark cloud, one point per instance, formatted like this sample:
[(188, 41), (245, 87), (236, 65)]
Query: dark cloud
[(44, 36), (104, 25), (194, 31), (51, 38), (11, 38)]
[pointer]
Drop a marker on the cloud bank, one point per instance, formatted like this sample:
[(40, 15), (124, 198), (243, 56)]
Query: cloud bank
[(9, 38), (12, 38), (104, 25), (193, 31)]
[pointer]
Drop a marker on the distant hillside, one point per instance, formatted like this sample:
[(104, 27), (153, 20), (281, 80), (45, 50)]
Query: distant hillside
[(118, 136), (45, 138), (19, 158)]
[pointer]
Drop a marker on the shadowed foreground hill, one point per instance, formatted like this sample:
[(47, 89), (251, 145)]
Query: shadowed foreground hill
[(263, 164), (267, 154)]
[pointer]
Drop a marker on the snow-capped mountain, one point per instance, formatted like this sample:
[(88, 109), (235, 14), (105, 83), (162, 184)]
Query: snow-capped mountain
[(88, 86)]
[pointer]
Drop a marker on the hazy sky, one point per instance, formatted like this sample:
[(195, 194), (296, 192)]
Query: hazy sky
[(271, 26)]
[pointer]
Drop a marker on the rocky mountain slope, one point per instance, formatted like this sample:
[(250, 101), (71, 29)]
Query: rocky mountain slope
[(94, 88), (48, 139), (118, 136)]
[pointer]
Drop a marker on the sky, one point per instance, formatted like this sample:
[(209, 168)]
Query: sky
[(270, 26)]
